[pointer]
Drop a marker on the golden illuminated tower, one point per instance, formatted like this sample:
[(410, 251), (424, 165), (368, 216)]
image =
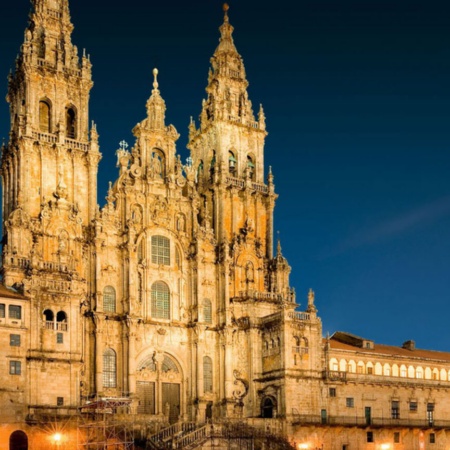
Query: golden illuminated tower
[(49, 173)]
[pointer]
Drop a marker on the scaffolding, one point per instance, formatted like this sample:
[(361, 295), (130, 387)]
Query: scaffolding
[(99, 428)]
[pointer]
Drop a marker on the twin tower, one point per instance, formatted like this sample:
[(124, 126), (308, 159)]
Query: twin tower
[(169, 295)]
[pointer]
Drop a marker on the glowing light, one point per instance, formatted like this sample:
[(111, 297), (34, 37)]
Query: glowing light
[(57, 438), (385, 446), (303, 446)]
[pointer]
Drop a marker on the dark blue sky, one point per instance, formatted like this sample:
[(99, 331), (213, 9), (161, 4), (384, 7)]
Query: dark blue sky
[(357, 100)]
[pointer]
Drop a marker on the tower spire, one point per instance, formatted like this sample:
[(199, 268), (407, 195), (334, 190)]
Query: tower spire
[(156, 107)]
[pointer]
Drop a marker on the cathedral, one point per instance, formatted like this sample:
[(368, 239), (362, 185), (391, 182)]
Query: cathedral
[(168, 305)]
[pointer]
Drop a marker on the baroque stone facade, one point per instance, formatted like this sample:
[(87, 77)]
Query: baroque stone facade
[(170, 297)]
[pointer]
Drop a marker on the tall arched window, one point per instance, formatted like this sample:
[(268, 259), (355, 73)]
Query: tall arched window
[(207, 374), (71, 123), (250, 166), (44, 116), (231, 162), (49, 319), (160, 300), (160, 250), (207, 310), (61, 321), (109, 368), (109, 299)]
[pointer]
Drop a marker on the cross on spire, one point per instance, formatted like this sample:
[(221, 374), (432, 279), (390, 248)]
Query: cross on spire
[(123, 145)]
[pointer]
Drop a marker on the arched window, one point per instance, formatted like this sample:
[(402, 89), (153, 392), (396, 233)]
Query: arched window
[(49, 319), (160, 300), (44, 116), (18, 441), (231, 162), (61, 321), (71, 123), (207, 374), (160, 250), (207, 310), (169, 365), (268, 407), (109, 368), (250, 166), (109, 299)]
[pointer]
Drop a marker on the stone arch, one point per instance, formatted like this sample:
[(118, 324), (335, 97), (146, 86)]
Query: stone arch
[(232, 162), (268, 407), (45, 115), (351, 366), (251, 165), (159, 385), (18, 440), (71, 122)]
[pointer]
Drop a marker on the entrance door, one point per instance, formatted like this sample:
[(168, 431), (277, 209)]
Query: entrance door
[(368, 415), (171, 401), (145, 391), (18, 441)]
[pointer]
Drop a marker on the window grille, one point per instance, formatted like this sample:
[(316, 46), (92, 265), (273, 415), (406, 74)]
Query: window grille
[(160, 300), (160, 250), (109, 368), (109, 299)]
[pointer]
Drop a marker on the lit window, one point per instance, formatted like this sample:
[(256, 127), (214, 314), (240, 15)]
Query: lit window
[(370, 370), (15, 367), (15, 312), (160, 250), (395, 409), (109, 368), (14, 340), (160, 300), (207, 374), (109, 299), (350, 402)]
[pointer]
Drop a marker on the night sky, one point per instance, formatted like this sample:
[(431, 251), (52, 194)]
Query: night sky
[(357, 100)]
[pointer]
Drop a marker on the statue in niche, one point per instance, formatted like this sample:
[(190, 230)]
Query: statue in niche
[(156, 165), (249, 273)]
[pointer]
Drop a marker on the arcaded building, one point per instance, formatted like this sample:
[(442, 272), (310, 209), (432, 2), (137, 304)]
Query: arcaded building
[(170, 298)]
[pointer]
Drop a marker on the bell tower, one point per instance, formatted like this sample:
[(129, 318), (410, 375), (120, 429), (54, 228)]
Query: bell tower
[(49, 179), (50, 161)]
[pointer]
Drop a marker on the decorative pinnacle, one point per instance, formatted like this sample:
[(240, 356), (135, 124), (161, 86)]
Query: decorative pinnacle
[(155, 81), (225, 8)]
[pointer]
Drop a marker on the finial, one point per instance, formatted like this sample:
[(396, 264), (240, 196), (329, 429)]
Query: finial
[(123, 145), (278, 244), (225, 8), (155, 81)]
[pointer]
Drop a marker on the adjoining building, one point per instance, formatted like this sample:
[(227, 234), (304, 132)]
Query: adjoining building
[(168, 306)]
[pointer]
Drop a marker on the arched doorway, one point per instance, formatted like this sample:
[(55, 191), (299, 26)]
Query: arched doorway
[(158, 387), (268, 408), (18, 441)]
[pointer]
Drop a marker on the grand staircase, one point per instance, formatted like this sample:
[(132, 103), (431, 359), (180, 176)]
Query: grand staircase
[(190, 436)]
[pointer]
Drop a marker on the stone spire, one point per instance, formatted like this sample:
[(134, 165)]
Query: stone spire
[(156, 107), (227, 84), (48, 38)]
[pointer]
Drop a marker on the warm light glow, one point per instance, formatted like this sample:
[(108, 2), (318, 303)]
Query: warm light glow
[(385, 446), (302, 446), (57, 437)]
